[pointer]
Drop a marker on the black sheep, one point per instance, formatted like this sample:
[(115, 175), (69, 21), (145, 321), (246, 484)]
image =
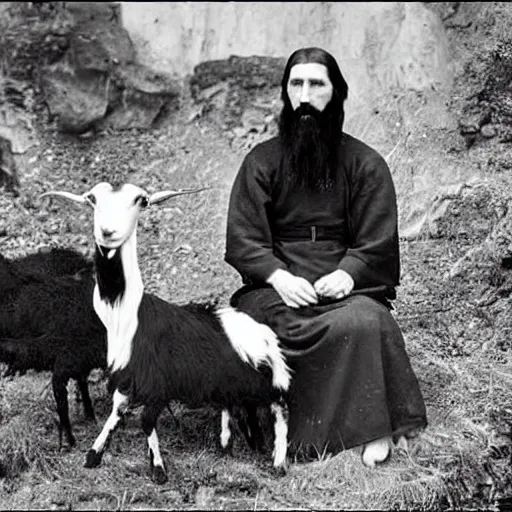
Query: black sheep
[(47, 323)]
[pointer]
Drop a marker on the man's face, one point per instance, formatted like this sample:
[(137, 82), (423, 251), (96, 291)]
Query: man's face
[(309, 83)]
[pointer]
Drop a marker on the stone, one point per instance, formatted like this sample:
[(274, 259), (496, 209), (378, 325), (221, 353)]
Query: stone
[(238, 91), (17, 120), (138, 110), (78, 99), (8, 168), (100, 45), (466, 210), (143, 94), (253, 119), (17, 126), (249, 72), (144, 79), (84, 12), (473, 118), (488, 131), (99, 74)]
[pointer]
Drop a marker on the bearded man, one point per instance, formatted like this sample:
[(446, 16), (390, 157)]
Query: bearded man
[(312, 230)]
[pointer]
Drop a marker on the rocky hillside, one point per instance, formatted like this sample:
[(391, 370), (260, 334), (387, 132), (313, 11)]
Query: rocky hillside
[(80, 103)]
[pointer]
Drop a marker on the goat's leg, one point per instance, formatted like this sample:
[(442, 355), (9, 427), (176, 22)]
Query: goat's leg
[(98, 448), (251, 429), (149, 418), (280, 411), (226, 438), (83, 386), (60, 393)]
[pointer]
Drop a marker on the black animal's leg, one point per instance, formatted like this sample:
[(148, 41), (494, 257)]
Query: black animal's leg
[(149, 419), (96, 452), (83, 386), (254, 429), (60, 393)]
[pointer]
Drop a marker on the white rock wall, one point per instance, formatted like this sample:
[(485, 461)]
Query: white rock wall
[(379, 45)]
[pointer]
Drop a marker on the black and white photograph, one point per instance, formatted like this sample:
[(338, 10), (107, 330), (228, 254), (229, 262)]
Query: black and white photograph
[(256, 256)]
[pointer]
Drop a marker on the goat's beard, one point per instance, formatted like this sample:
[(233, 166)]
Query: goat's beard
[(310, 142)]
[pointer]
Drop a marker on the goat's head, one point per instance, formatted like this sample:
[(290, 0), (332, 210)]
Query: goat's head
[(116, 211)]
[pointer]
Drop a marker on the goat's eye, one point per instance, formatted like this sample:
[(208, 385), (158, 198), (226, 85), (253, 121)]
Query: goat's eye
[(142, 201), (91, 199)]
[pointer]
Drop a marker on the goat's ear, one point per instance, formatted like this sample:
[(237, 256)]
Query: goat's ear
[(160, 197), (66, 195)]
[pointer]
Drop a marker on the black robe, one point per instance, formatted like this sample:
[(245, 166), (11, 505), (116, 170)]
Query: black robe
[(352, 380)]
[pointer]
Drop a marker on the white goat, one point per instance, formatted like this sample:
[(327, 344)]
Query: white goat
[(158, 351)]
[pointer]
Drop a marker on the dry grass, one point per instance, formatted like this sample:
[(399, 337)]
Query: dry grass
[(181, 250)]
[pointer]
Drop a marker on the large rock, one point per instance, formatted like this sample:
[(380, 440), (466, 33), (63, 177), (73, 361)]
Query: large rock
[(100, 45), (84, 12), (78, 98), (241, 94), (98, 81), (16, 116), (143, 95), (17, 130), (468, 211), (481, 49)]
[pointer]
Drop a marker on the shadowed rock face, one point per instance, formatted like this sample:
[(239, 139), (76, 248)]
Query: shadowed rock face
[(98, 81), (240, 93)]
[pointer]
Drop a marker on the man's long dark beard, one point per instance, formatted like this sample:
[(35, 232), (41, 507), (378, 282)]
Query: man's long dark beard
[(310, 140)]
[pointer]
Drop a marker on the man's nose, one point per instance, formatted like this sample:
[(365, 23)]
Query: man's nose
[(304, 94)]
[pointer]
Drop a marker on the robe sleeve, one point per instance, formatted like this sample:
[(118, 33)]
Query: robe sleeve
[(248, 238), (373, 256)]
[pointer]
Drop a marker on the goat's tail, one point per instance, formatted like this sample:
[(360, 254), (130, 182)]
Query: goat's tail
[(255, 343)]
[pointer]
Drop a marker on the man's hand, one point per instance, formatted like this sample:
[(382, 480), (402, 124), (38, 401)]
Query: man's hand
[(295, 291), (335, 285)]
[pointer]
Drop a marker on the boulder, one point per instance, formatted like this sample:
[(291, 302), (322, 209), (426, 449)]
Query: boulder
[(98, 82), (78, 98), (16, 117), (100, 46), (241, 94), (143, 93), (83, 12), (468, 211)]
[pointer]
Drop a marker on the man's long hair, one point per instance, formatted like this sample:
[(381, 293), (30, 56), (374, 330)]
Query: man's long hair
[(310, 138)]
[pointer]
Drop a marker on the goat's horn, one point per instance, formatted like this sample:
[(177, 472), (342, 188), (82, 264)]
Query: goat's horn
[(159, 197), (66, 195)]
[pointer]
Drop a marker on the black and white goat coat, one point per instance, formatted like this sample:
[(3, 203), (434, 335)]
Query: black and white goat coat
[(158, 352)]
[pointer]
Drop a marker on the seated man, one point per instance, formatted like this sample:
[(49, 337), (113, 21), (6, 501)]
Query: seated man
[(312, 219)]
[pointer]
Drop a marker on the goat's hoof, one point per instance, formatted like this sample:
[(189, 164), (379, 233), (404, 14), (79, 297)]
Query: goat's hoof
[(158, 475), (67, 448), (93, 459), (226, 450), (279, 471)]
